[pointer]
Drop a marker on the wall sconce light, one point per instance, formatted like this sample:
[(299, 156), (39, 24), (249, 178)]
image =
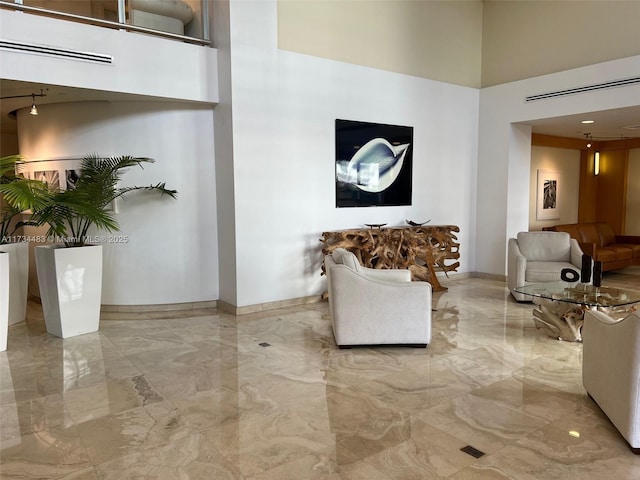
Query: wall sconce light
[(596, 163)]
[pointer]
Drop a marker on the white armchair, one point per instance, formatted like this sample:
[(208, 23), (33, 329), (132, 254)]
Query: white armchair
[(376, 307), (611, 370), (536, 257)]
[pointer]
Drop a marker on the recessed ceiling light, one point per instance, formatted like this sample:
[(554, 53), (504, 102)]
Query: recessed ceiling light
[(588, 121)]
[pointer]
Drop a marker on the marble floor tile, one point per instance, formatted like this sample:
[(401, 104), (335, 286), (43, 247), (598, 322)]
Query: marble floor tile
[(206, 395), (429, 453), (31, 416)]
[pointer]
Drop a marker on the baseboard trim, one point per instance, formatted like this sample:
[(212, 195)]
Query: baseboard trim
[(164, 307), (265, 307), (257, 308), (489, 276)]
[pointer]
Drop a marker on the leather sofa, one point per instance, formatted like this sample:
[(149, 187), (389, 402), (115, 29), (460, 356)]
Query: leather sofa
[(598, 240), (376, 307)]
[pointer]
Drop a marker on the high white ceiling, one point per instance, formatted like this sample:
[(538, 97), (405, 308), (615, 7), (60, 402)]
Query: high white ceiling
[(608, 124)]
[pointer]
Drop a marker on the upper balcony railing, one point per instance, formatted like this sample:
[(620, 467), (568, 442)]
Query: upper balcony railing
[(184, 20)]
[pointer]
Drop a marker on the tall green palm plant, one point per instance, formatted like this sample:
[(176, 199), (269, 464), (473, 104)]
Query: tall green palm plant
[(72, 212), (17, 194)]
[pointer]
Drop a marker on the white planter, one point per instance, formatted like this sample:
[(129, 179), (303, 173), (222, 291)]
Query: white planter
[(70, 281), (4, 299), (18, 279)]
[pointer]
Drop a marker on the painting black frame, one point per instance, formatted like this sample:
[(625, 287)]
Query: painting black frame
[(351, 136)]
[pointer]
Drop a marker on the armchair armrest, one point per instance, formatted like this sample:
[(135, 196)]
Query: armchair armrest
[(387, 275), (611, 369), (602, 317), (590, 249), (576, 254), (517, 265)]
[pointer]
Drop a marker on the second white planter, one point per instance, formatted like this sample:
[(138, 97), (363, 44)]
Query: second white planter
[(70, 280), (18, 279)]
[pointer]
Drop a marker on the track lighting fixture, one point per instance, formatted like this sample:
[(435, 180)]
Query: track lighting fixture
[(34, 107)]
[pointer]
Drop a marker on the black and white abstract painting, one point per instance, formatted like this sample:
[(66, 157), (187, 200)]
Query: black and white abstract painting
[(373, 164), (547, 201)]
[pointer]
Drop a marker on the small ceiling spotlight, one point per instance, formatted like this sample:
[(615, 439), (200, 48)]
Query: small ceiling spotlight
[(586, 122)]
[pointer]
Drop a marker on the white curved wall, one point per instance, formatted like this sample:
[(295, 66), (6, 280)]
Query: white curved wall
[(172, 252)]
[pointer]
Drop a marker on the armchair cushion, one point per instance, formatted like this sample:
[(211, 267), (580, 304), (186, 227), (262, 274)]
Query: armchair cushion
[(611, 369), (540, 246)]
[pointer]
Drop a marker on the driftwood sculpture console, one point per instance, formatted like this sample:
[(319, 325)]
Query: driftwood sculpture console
[(421, 249)]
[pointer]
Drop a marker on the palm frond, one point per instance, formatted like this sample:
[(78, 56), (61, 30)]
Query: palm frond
[(25, 194), (72, 212), (17, 194), (8, 167), (158, 187)]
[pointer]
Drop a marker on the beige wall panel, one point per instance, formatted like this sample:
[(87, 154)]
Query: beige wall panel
[(523, 39), (567, 163), (632, 223), (439, 40), (612, 182)]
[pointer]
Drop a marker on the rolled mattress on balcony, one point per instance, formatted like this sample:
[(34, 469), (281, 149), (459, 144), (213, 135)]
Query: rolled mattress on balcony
[(165, 15)]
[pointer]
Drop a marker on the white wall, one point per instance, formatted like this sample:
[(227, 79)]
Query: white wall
[(284, 108), (171, 255), (504, 153), (223, 126), (566, 163), (632, 220)]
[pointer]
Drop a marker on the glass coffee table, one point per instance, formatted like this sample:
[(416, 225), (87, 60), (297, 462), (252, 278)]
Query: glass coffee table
[(560, 306)]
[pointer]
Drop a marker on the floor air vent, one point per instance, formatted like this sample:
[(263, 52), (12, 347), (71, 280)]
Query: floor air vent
[(586, 88), (55, 52)]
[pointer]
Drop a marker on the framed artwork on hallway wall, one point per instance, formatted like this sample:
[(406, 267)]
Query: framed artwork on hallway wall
[(547, 207), (373, 164), (60, 174)]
